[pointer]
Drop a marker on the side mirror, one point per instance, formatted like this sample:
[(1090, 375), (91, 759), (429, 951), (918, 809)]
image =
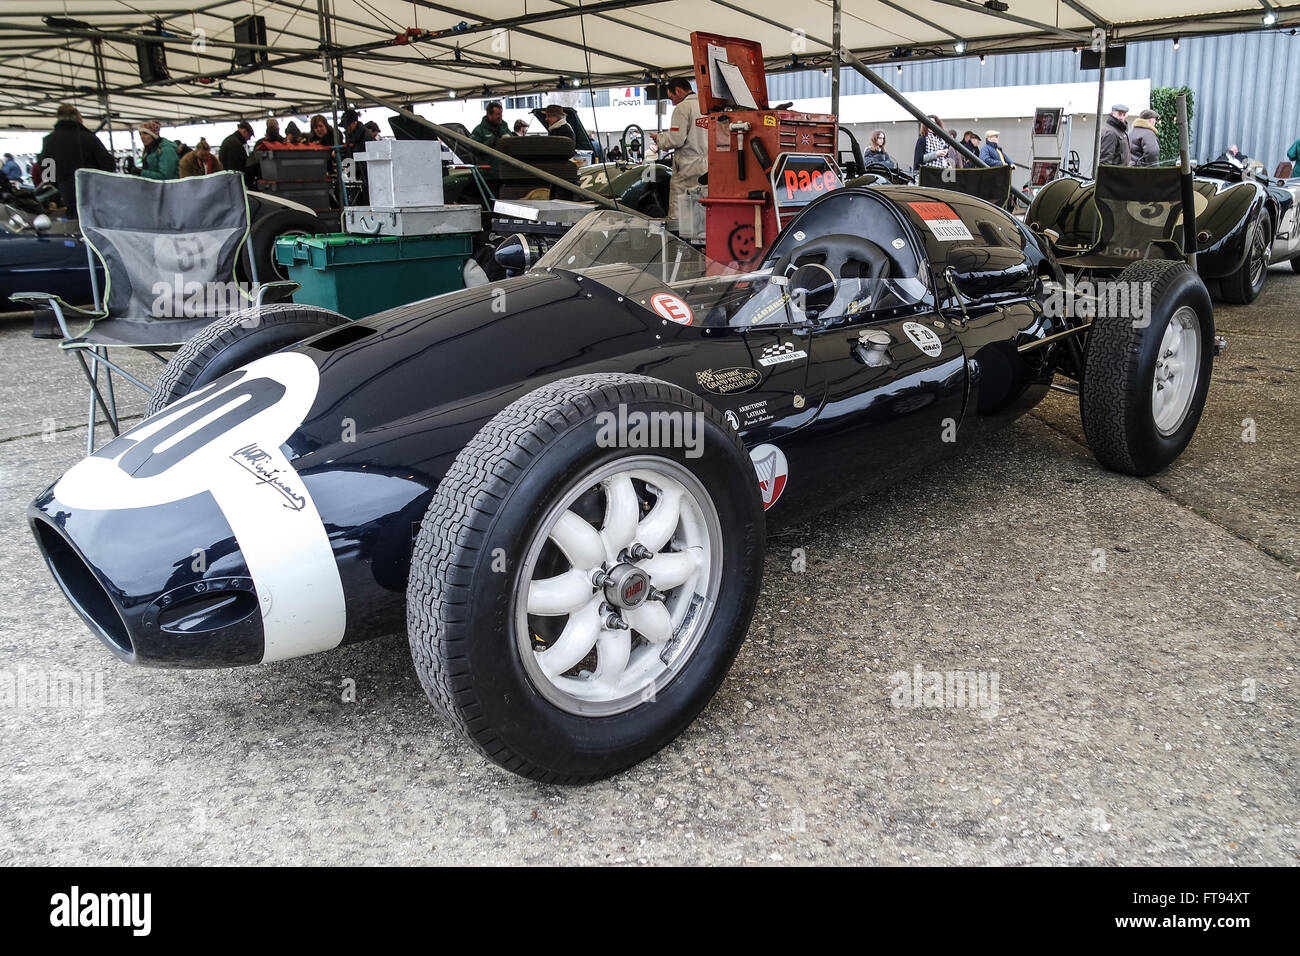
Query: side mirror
[(812, 289), (516, 253)]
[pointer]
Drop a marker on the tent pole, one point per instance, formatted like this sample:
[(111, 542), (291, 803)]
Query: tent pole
[(101, 85), (332, 67), (852, 60), (835, 58), (1101, 101)]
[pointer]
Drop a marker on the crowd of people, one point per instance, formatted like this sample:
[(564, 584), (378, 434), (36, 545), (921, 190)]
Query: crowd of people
[(71, 146)]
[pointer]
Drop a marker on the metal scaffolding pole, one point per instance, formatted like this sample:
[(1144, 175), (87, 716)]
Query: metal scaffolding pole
[(835, 58), (1101, 99), (101, 87), (332, 66)]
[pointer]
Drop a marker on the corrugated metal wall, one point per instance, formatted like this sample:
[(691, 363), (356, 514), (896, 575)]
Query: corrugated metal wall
[(1246, 85)]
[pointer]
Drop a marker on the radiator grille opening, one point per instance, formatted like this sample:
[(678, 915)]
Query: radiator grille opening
[(82, 588)]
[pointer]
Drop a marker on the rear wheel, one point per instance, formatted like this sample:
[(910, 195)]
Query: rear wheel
[(1146, 376), (573, 604), (235, 340), (1245, 285), (261, 240), (1295, 264)]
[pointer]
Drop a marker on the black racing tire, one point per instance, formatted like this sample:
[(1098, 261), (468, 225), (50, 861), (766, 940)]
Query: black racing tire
[(461, 611), (1117, 398), (264, 232), (235, 340), (1295, 264), (1240, 287)]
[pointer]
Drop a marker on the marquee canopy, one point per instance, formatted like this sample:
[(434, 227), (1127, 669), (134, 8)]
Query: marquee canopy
[(52, 51)]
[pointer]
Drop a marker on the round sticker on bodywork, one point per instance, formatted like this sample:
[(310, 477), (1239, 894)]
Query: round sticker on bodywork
[(225, 440), (672, 308), (772, 469), (923, 338)]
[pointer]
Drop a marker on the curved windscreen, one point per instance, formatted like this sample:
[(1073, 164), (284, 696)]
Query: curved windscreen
[(623, 239), (819, 276)]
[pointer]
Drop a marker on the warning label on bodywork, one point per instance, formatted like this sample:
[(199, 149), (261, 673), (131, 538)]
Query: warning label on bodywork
[(942, 221)]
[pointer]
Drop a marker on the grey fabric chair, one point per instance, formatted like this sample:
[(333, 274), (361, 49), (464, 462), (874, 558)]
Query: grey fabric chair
[(169, 250)]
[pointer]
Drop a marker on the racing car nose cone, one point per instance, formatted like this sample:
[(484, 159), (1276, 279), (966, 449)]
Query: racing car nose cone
[(627, 586)]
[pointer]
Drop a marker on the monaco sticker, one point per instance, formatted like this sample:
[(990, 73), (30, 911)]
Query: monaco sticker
[(772, 470), (672, 308), (923, 338), (942, 221)]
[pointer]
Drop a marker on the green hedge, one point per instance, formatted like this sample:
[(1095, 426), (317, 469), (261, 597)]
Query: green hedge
[(1164, 101)]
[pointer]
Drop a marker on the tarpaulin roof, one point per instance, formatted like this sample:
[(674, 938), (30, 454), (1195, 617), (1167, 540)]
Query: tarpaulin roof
[(418, 50)]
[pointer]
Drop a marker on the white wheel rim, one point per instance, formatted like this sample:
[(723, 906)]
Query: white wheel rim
[(1178, 369), (562, 614)]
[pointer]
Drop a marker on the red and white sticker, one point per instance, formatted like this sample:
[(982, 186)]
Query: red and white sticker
[(942, 221), (671, 308), (772, 469)]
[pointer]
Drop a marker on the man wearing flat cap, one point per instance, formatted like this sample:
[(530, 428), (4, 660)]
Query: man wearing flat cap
[(1114, 137), (992, 153)]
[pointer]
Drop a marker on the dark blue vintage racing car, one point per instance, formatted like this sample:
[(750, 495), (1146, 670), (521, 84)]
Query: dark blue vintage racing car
[(560, 484)]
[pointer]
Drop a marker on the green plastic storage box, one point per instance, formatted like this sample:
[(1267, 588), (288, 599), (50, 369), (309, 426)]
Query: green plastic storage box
[(362, 275)]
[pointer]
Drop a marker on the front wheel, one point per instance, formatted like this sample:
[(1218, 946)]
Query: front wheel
[(1147, 372), (577, 595), (235, 340), (1244, 286)]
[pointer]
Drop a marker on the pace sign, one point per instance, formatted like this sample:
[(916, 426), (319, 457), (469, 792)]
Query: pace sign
[(799, 178)]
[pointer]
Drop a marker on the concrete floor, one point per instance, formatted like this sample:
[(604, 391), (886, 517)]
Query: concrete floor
[(1143, 635)]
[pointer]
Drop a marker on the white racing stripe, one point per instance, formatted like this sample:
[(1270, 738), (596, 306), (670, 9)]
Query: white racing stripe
[(279, 532)]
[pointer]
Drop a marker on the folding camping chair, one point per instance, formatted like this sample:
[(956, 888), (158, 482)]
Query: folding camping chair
[(990, 183), (169, 250), (1139, 212)]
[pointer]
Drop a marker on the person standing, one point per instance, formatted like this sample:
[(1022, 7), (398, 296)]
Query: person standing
[(1144, 143), (970, 139), (272, 134), (67, 148), (199, 161), (322, 134), (689, 137), (557, 123), (492, 127), (160, 159), (521, 127), (355, 138), (233, 154), (1114, 137), (930, 149), (992, 153), (11, 169)]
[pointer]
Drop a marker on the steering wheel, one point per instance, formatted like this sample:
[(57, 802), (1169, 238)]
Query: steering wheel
[(634, 147), (838, 250), (813, 286)]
